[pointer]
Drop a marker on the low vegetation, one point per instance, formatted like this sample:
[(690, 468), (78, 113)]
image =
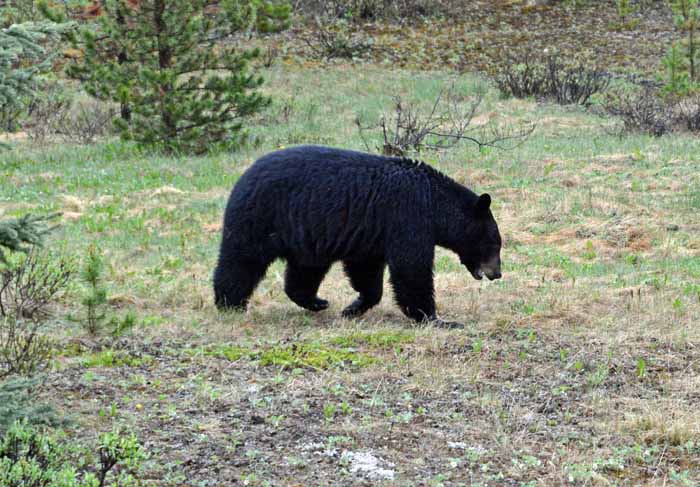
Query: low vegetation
[(30, 458)]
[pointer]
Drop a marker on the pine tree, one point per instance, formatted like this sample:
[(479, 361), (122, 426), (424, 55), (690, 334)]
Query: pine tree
[(28, 230), (23, 56), (180, 85)]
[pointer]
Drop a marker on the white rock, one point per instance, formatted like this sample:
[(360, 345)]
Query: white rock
[(369, 465)]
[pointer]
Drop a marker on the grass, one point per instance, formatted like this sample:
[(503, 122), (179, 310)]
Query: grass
[(299, 355), (544, 385)]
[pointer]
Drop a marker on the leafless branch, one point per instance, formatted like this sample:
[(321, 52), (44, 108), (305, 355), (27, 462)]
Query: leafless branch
[(444, 126)]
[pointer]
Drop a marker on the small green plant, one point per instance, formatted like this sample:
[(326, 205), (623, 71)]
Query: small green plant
[(641, 368), (229, 352), (123, 325), (625, 8), (95, 299), (599, 376), (31, 458), (589, 253), (276, 420), (566, 81), (329, 410)]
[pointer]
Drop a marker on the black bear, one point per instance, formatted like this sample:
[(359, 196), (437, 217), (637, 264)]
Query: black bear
[(313, 206)]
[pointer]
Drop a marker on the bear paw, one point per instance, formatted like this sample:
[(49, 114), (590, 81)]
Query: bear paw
[(317, 304), (353, 310)]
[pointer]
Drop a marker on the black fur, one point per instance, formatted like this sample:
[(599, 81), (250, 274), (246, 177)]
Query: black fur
[(313, 206)]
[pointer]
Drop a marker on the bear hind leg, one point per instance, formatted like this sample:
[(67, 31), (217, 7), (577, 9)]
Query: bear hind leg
[(301, 284), (367, 279), (235, 280)]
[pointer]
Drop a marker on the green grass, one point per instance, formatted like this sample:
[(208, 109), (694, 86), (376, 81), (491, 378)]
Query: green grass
[(313, 356), (301, 355), (112, 358), (601, 267), (385, 339)]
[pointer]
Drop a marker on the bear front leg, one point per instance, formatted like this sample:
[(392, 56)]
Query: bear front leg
[(301, 284), (235, 280), (413, 290), (366, 278)]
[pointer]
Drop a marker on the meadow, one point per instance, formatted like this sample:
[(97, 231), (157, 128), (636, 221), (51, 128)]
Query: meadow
[(580, 367)]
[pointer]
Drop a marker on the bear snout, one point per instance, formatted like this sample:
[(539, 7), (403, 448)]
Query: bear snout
[(493, 275), (492, 268)]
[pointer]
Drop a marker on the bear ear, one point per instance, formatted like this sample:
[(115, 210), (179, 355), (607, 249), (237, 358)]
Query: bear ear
[(483, 203)]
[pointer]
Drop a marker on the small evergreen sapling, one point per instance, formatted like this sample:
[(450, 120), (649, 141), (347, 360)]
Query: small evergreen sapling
[(687, 20), (96, 297), (677, 77), (18, 403)]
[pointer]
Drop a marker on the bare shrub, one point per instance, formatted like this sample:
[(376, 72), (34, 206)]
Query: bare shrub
[(23, 349), (364, 10), (550, 78), (641, 111), (687, 113), (521, 79), (87, 121), (45, 112), (29, 284), (336, 40), (58, 115), (574, 85), (444, 126)]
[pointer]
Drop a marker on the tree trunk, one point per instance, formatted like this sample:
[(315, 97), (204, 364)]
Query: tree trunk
[(691, 52), (164, 63), (122, 58)]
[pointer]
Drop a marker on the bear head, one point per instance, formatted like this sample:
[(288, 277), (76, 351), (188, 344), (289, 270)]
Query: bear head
[(480, 251)]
